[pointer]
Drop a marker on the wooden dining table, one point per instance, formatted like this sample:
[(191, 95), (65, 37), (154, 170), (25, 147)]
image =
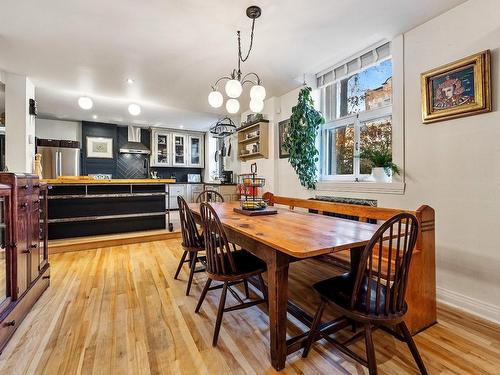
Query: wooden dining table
[(280, 239)]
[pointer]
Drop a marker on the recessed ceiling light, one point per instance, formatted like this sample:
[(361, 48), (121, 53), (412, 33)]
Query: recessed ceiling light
[(181, 126), (130, 81), (134, 109), (85, 102), (94, 117)]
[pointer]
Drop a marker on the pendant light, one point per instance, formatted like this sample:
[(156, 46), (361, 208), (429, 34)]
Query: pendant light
[(233, 106), (236, 80)]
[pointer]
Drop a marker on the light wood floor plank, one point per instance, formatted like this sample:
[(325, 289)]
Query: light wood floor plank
[(117, 310)]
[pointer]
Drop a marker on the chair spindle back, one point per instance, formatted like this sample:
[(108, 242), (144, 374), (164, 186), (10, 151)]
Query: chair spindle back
[(191, 238), (382, 275), (209, 196), (218, 250)]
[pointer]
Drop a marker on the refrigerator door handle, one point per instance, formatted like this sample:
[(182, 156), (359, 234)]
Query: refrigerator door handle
[(59, 163), (56, 168)]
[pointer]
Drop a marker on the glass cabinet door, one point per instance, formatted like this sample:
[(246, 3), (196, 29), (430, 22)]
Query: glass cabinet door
[(195, 151), (161, 149), (179, 149)]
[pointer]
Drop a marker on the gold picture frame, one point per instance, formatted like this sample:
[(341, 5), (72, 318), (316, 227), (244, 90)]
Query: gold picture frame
[(461, 88)]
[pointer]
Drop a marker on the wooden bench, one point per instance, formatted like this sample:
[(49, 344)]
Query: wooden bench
[(421, 293)]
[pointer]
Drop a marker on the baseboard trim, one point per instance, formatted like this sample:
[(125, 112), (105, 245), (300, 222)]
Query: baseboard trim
[(473, 306), (94, 242)]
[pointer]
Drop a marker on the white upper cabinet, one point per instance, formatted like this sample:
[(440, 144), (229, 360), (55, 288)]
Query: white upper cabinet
[(179, 150), (176, 149), (161, 148), (195, 151)]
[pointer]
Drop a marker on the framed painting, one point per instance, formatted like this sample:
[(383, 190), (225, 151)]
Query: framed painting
[(100, 147), (458, 89), (283, 133)]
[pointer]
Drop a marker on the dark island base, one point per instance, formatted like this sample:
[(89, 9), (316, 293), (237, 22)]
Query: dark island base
[(92, 209), (111, 226)]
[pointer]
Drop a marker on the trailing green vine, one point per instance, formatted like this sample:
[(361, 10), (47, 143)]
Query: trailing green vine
[(301, 138)]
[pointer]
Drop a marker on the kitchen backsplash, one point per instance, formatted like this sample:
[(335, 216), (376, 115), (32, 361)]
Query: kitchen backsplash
[(124, 165), (180, 174)]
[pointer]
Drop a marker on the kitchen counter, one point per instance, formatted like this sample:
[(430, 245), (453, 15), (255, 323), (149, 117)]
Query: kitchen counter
[(116, 181), (219, 184)]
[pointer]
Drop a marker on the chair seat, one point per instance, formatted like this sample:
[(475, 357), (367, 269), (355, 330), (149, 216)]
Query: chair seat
[(338, 290), (200, 246), (246, 265)]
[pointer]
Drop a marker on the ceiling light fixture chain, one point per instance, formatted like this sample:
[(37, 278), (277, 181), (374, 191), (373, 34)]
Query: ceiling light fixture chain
[(240, 55), (234, 84)]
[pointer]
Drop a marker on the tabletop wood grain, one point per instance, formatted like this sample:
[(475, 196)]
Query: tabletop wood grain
[(299, 234)]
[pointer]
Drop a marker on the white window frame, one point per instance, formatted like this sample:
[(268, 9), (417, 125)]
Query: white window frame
[(357, 120), (397, 186)]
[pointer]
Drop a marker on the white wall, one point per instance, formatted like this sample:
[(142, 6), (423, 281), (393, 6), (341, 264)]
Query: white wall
[(57, 129), (20, 126), (452, 166), (265, 167)]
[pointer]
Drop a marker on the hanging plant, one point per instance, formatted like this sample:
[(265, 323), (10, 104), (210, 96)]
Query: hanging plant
[(301, 139)]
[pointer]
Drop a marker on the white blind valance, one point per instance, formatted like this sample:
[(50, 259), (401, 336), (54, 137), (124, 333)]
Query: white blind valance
[(353, 65)]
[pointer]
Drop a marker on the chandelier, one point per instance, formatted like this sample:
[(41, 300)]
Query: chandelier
[(236, 80)]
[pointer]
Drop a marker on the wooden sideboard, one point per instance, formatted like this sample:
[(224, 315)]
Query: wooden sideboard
[(24, 275)]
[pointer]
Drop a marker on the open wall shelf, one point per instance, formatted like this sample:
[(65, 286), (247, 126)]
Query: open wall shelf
[(255, 139)]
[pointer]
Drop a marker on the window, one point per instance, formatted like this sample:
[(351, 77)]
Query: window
[(358, 114)]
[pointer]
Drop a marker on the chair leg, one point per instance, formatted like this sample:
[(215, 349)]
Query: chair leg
[(245, 284), (370, 351), (413, 347), (183, 258), (218, 322), (314, 329), (203, 294), (192, 265)]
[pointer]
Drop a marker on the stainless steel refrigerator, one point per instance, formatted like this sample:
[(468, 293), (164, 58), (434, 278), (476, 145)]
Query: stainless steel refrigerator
[(62, 160)]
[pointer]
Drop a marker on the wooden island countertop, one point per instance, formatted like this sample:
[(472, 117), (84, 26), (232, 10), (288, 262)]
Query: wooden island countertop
[(122, 181)]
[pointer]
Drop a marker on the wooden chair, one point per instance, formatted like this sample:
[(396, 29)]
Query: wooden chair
[(421, 292), (375, 294), (228, 265), (209, 196), (192, 243)]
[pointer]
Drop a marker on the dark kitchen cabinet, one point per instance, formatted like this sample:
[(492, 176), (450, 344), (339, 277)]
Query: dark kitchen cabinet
[(23, 230)]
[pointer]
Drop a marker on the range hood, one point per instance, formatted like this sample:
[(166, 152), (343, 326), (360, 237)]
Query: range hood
[(134, 145)]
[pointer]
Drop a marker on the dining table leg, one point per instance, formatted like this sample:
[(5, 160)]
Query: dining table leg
[(355, 258), (277, 281)]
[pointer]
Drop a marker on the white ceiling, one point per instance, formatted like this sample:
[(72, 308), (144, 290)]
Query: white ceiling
[(175, 49)]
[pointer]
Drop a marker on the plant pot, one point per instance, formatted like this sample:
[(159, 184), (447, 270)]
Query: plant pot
[(380, 174)]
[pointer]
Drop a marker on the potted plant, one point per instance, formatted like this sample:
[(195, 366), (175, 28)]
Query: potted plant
[(381, 161), (301, 139)]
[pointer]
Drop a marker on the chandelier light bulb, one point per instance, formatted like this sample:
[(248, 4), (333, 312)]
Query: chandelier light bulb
[(215, 99), (256, 106), (85, 102), (233, 88), (134, 109), (258, 92), (233, 106)]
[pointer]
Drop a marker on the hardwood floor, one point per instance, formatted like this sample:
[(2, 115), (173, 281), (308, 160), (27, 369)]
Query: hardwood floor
[(119, 311)]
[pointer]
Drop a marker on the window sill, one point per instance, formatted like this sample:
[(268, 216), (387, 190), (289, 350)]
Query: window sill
[(397, 188)]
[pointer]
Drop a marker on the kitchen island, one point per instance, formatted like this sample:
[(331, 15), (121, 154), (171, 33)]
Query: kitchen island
[(80, 207)]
